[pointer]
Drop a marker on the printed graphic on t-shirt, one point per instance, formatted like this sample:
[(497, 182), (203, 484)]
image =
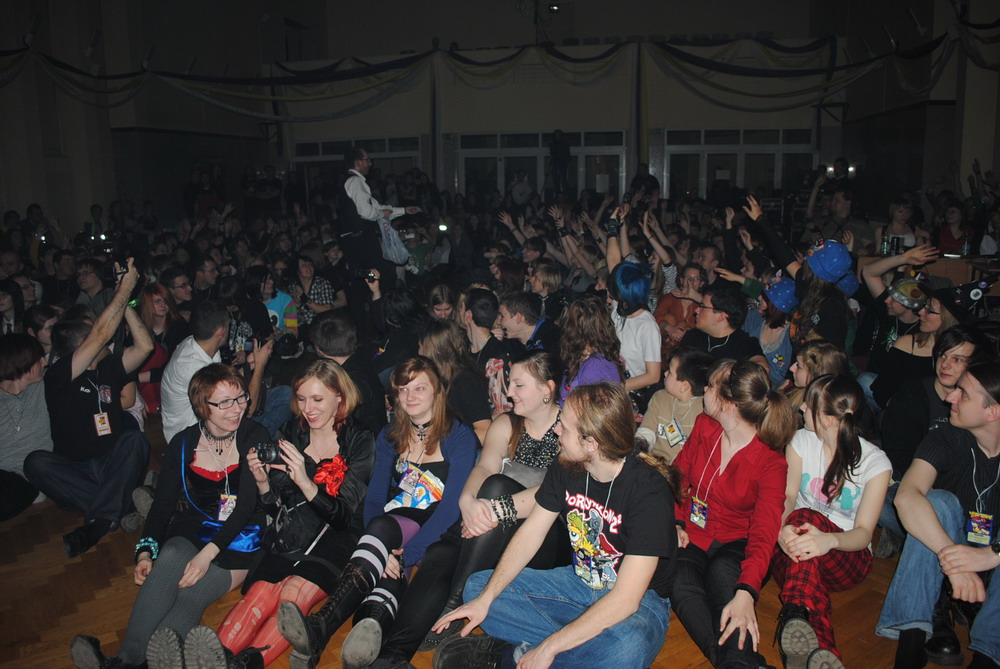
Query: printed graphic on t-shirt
[(595, 560), (496, 386), (849, 494)]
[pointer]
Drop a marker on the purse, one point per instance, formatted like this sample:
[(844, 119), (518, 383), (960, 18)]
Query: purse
[(249, 538)]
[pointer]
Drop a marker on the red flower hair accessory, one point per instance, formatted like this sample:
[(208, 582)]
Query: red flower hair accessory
[(331, 474)]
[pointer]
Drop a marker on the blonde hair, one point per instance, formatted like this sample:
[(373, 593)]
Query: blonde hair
[(333, 377)]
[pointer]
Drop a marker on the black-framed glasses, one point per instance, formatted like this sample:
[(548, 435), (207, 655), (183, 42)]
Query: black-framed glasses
[(227, 404), (702, 305), (182, 285)]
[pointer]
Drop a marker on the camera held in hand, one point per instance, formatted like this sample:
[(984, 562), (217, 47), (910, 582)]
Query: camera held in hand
[(365, 274), (269, 453)]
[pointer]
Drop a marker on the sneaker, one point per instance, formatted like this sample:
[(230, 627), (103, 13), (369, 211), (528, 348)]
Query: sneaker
[(164, 650), (86, 652), (476, 651), (823, 658), (203, 650), (131, 522), (796, 638), (889, 544), (142, 497), (362, 644), (85, 537)]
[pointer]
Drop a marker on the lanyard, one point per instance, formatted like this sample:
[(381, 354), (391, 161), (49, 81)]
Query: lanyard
[(714, 476), (97, 391), (979, 495)]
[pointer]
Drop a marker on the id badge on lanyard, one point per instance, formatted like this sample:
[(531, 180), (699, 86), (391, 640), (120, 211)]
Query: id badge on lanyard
[(979, 528), (699, 512)]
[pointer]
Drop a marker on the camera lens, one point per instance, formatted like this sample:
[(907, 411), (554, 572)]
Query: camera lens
[(268, 454)]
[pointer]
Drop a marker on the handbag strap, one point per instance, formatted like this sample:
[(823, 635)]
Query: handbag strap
[(184, 480)]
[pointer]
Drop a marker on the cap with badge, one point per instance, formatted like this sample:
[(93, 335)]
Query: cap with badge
[(780, 291), (907, 291), (831, 261)]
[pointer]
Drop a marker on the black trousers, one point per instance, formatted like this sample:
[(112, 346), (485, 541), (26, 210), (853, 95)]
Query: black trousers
[(99, 487), (16, 494), (448, 563)]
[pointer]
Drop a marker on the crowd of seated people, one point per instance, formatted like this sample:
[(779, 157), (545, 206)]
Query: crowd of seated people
[(397, 439)]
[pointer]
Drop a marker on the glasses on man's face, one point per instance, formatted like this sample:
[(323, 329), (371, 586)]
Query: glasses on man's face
[(702, 305), (228, 404), (182, 286)]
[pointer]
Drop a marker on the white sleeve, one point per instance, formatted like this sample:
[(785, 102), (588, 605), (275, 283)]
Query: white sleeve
[(367, 206), (649, 339)]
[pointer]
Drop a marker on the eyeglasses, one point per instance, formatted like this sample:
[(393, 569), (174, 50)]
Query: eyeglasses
[(182, 285), (702, 305), (228, 404)]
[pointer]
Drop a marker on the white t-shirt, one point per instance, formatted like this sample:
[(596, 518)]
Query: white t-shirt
[(175, 407), (842, 510), (640, 340)]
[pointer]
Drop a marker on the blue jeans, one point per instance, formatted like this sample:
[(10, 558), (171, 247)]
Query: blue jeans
[(277, 408), (915, 588), (865, 381), (888, 519), (540, 602)]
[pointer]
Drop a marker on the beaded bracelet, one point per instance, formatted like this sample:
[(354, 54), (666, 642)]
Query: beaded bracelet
[(506, 503), (147, 544)]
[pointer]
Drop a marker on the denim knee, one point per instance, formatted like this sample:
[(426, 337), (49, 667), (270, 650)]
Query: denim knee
[(948, 509), (475, 585)]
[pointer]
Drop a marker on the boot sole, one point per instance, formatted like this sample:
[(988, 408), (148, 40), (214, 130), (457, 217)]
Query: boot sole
[(82, 653), (797, 641), (164, 650), (362, 645), (947, 660), (203, 650), (823, 658), (298, 660), (292, 625)]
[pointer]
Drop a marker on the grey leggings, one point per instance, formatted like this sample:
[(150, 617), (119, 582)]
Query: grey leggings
[(160, 603)]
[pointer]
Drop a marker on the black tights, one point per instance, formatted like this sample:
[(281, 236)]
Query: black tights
[(448, 563)]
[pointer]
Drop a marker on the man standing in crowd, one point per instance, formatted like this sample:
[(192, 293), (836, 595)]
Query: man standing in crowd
[(480, 312), (357, 216), (610, 605), (61, 287), (206, 274), (209, 331), (949, 503), (96, 462), (90, 279)]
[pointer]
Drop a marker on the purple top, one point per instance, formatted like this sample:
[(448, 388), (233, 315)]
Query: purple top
[(594, 369)]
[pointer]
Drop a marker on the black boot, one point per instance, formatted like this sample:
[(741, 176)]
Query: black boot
[(433, 639), (371, 625), (86, 653), (943, 646), (796, 638), (910, 653), (310, 634)]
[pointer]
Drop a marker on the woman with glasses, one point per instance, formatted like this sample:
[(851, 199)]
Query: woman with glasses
[(422, 460), (187, 559)]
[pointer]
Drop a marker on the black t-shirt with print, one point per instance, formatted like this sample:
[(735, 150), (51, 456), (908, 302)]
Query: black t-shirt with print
[(74, 402), (963, 469), (632, 515)]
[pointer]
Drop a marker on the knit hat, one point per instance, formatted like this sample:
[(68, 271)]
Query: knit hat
[(907, 291), (781, 292)]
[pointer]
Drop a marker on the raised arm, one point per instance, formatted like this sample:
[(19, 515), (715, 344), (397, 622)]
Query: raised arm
[(873, 271), (106, 324), (142, 342)]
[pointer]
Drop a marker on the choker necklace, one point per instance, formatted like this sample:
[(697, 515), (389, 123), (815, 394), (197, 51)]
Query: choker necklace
[(218, 443), (421, 430)]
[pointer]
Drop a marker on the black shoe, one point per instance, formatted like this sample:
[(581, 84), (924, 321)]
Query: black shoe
[(164, 650), (796, 638), (824, 658), (86, 653), (85, 537), (310, 634), (433, 639), (980, 661), (476, 651), (889, 545), (943, 646), (203, 650)]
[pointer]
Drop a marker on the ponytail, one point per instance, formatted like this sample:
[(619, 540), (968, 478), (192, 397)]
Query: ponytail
[(780, 421), (667, 470), (840, 397)]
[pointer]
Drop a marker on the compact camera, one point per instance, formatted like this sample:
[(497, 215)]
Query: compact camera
[(269, 453)]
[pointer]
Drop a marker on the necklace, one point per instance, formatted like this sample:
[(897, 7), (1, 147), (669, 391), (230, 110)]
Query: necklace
[(17, 413), (712, 348), (218, 444), (421, 431), (586, 485)]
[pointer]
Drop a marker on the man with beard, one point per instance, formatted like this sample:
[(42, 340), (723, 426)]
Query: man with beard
[(571, 616)]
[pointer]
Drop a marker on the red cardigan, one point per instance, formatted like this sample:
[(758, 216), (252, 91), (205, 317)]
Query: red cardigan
[(744, 502)]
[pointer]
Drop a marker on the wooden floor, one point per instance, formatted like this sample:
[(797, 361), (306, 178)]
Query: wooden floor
[(47, 599)]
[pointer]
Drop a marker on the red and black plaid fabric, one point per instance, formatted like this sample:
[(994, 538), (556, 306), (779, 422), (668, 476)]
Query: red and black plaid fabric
[(810, 582)]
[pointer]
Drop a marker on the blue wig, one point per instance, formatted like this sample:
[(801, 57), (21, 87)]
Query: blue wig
[(631, 284)]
